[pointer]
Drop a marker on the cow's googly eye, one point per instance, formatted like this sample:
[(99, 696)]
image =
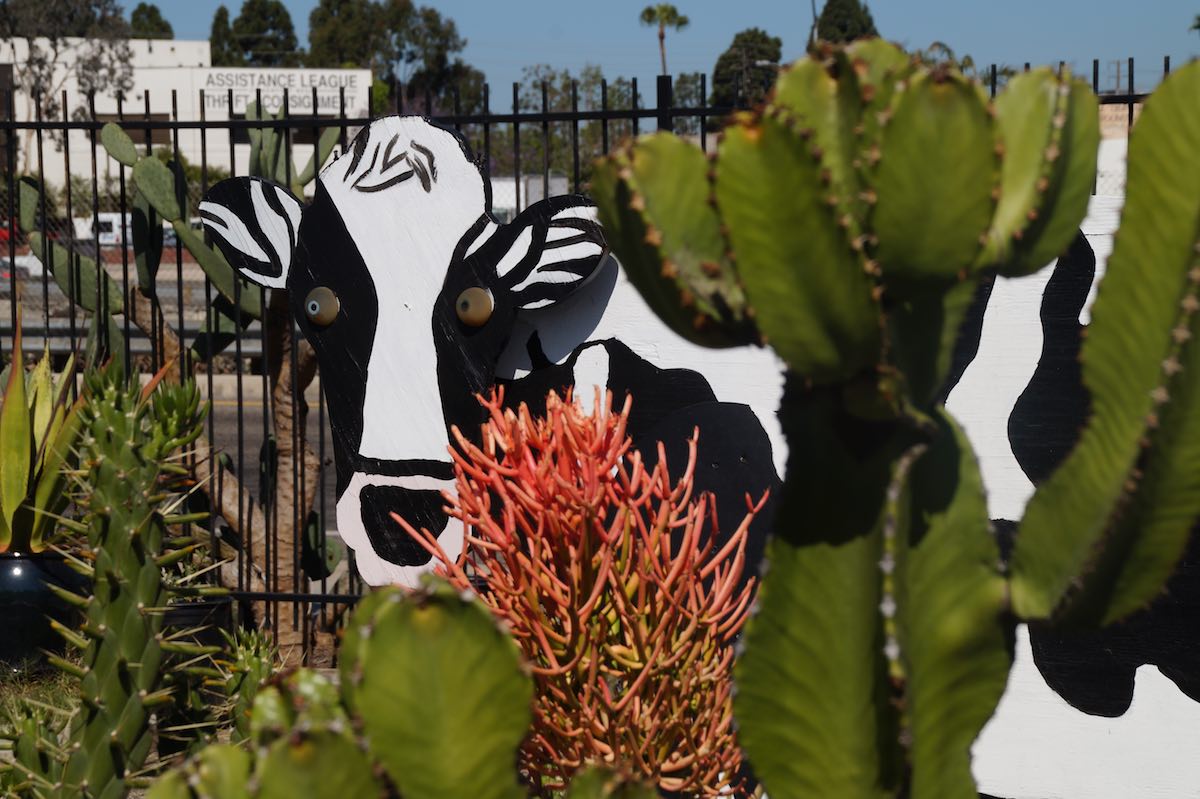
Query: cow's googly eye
[(474, 306), (321, 306)]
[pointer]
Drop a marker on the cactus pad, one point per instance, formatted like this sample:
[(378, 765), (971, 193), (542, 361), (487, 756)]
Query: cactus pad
[(441, 695), (935, 179), (810, 292), (1121, 506), (653, 199)]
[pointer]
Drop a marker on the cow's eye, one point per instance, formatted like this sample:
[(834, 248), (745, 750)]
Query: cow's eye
[(321, 306), (474, 306)]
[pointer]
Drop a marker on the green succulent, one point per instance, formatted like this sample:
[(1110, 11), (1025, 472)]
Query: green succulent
[(250, 659), (432, 701), (39, 428), (126, 668), (849, 223)]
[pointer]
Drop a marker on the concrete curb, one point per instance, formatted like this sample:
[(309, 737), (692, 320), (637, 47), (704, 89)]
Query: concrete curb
[(225, 388)]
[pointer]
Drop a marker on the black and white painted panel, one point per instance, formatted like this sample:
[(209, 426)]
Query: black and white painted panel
[(1107, 715), (415, 298)]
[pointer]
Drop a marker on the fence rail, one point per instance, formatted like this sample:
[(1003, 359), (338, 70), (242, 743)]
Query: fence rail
[(299, 591)]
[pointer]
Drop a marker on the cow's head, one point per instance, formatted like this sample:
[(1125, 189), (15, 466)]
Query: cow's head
[(408, 289)]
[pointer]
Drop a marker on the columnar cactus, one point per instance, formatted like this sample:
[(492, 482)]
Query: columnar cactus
[(271, 158), (848, 223), (1120, 507), (128, 440)]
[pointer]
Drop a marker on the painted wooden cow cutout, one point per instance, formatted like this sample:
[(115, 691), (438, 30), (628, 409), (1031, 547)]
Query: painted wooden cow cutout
[(1102, 715), (415, 299)]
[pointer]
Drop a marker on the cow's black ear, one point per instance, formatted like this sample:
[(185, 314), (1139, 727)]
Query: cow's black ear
[(254, 224), (558, 250)]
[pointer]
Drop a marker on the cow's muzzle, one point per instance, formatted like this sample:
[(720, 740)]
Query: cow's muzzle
[(420, 508), (384, 551)]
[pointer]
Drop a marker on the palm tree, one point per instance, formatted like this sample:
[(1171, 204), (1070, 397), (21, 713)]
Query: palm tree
[(664, 15), (1196, 24)]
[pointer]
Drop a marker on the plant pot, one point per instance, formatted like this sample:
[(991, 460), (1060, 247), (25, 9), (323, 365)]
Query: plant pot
[(27, 605), (213, 615)]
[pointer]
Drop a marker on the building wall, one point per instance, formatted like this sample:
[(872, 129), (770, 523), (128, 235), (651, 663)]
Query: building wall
[(174, 79)]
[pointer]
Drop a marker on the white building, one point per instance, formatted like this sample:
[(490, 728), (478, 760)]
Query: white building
[(510, 198), (181, 84)]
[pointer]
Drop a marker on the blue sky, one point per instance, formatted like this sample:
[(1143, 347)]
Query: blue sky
[(505, 36)]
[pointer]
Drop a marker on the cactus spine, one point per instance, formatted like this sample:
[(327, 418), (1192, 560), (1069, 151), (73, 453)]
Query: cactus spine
[(127, 445), (862, 206), (433, 701)]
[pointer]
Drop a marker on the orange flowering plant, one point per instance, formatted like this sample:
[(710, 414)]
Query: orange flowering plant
[(611, 579)]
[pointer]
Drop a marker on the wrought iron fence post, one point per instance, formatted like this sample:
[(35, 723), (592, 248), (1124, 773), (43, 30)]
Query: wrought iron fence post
[(665, 101)]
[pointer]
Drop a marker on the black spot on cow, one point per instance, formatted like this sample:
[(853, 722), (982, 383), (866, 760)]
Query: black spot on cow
[(1050, 413), (421, 509), (443, 232), (733, 453), (1093, 670)]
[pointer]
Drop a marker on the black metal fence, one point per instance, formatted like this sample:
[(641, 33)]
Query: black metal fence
[(281, 562)]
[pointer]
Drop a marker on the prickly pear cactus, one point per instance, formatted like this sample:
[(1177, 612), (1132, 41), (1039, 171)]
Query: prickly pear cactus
[(162, 195), (220, 771), (440, 693), (432, 702), (298, 699), (860, 208)]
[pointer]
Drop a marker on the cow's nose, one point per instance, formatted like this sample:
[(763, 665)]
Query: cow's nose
[(421, 509)]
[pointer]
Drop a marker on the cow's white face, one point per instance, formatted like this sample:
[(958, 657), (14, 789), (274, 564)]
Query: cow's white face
[(407, 194), (400, 225)]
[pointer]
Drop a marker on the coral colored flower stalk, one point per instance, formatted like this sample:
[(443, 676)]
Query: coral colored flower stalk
[(609, 578)]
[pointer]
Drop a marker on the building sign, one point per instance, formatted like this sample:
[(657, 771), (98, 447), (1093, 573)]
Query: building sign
[(247, 84)]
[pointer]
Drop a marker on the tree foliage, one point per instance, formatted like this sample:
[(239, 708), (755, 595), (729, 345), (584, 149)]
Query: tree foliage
[(99, 64), (747, 68), (663, 16), (941, 53), (40, 38), (555, 150), (263, 35), (429, 60), (344, 33), (413, 47), (687, 92), (220, 41), (147, 22), (845, 21)]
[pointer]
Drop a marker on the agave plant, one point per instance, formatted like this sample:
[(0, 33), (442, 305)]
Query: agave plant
[(609, 577), (39, 426)]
